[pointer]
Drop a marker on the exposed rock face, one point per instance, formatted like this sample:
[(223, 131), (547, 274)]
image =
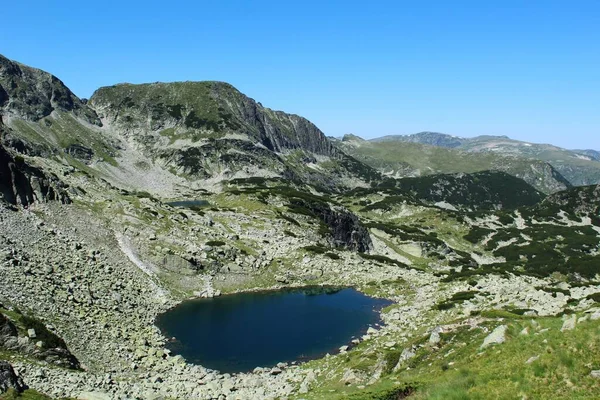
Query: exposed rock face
[(9, 379), (33, 94), (346, 228), (206, 106), (22, 184)]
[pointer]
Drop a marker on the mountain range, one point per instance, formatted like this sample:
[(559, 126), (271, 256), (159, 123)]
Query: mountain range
[(422, 153), (117, 208)]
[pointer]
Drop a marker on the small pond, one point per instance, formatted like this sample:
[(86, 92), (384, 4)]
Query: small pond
[(189, 203), (238, 332)]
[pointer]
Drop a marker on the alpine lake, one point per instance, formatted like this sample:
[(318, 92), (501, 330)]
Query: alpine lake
[(239, 332)]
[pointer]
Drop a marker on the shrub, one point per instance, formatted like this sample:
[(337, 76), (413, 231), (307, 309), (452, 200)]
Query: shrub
[(290, 233), (316, 249)]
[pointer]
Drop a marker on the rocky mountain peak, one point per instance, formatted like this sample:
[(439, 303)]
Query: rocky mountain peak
[(207, 107), (32, 94)]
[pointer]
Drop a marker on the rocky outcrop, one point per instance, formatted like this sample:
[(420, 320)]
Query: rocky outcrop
[(23, 184), (345, 227), (32, 94), (39, 343), (9, 379)]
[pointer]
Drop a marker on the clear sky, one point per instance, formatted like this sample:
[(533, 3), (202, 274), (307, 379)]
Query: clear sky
[(527, 69)]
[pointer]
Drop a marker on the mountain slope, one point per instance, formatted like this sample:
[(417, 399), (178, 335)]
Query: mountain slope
[(210, 129), (486, 190), (399, 158), (579, 167)]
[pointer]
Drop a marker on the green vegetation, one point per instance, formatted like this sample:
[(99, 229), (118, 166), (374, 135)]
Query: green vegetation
[(455, 299), (29, 394), (458, 369), (383, 259), (215, 243)]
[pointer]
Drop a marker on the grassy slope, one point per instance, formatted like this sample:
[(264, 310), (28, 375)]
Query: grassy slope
[(429, 159), (458, 369)]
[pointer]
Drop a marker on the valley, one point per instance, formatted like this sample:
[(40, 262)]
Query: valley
[(117, 209)]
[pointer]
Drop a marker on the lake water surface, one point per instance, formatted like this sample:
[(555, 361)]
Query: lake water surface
[(236, 333)]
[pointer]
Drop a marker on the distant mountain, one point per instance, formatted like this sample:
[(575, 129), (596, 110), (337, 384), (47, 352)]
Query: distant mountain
[(579, 167), (430, 138), (396, 158)]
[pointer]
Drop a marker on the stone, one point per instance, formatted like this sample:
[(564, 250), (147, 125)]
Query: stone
[(595, 374), (532, 359), (9, 379), (31, 333), (498, 336), (406, 355), (569, 323), (435, 337)]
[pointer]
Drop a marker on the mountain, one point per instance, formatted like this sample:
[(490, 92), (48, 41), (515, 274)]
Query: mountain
[(174, 133), (397, 158), (33, 94), (579, 167), (117, 209)]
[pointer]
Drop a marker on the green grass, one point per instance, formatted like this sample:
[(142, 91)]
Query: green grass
[(458, 369)]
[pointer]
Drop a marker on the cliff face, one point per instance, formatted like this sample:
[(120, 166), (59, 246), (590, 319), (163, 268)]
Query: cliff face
[(196, 109), (32, 94), (23, 184)]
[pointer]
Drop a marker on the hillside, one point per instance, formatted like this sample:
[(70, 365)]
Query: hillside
[(397, 158), (579, 167)]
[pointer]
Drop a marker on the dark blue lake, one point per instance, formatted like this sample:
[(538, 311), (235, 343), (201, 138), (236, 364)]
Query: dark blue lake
[(236, 333)]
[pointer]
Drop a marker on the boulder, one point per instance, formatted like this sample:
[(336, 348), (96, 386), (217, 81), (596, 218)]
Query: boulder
[(435, 337), (569, 323), (497, 336)]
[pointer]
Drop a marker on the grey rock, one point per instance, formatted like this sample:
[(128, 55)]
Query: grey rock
[(569, 323), (9, 379), (497, 336)]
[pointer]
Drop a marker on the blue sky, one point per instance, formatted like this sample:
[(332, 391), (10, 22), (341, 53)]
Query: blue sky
[(526, 69)]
